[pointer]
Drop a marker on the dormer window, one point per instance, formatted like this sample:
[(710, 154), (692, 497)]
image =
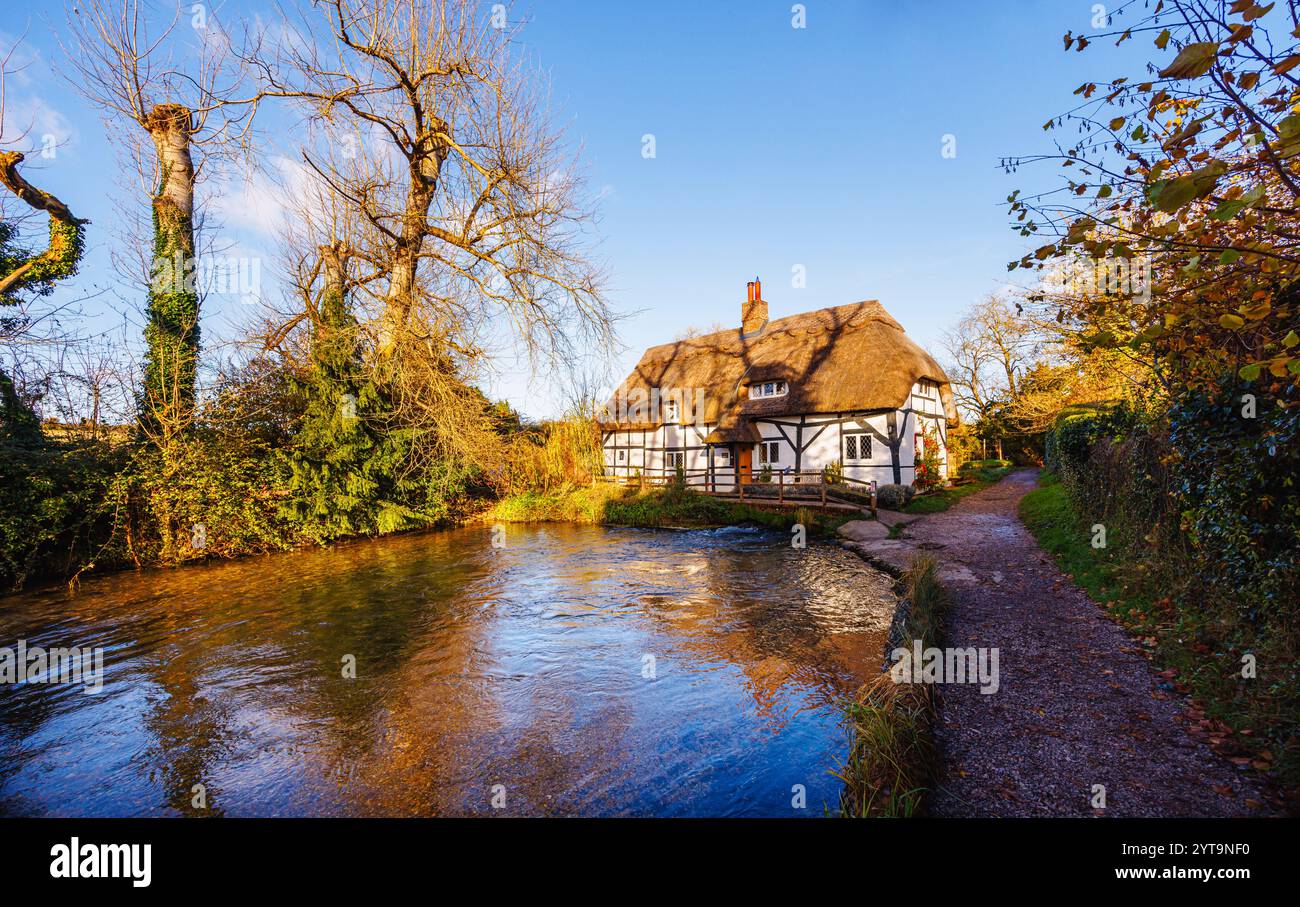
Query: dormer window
[(768, 389), (670, 411)]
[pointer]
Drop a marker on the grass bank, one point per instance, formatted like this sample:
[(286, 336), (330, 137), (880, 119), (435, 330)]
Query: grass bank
[(1199, 651), (972, 477), (671, 507), (892, 761)]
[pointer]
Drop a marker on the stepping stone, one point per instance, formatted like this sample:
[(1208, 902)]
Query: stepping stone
[(892, 517), (864, 530)]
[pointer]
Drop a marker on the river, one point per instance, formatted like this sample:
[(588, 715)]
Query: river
[(577, 670)]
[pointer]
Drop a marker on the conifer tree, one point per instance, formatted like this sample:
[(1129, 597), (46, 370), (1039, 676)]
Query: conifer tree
[(349, 457)]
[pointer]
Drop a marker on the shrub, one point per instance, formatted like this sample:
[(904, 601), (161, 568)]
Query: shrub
[(894, 497), (55, 506), (833, 473)]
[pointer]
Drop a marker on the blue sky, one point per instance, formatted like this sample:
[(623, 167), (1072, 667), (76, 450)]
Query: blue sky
[(775, 147)]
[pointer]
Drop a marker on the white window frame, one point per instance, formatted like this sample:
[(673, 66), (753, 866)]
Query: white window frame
[(765, 389), (857, 444), (676, 458)]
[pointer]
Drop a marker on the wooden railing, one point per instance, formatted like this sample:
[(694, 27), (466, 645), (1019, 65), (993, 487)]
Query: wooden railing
[(757, 484)]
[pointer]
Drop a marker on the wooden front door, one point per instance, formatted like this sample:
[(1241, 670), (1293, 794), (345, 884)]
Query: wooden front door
[(744, 462)]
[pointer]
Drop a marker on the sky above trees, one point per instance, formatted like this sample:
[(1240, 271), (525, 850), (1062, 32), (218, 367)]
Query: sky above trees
[(777, 151)]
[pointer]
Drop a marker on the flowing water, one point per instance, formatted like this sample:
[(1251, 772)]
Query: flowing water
[(577, 671)]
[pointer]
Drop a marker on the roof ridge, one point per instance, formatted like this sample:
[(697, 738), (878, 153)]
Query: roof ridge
[(776, 323)]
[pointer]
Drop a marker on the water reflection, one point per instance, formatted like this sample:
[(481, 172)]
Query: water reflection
[(577, 671)]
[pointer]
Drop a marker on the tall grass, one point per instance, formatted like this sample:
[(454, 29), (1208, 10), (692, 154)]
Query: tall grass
[(554, 455), (892, 760)]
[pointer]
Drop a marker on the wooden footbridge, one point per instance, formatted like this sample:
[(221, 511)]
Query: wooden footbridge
[(764, 488)]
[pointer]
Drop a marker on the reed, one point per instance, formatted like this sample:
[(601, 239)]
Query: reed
[(892, 760)]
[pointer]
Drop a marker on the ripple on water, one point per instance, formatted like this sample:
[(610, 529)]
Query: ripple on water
[(590, 671)]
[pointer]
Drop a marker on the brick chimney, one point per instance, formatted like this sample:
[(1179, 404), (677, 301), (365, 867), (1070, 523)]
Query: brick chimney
[(753, 314)]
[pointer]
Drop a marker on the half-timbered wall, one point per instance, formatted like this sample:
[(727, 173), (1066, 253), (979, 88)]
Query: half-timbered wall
[(809, 441)]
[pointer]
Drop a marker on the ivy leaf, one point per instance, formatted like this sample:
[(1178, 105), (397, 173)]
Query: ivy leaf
[(1192, 61)]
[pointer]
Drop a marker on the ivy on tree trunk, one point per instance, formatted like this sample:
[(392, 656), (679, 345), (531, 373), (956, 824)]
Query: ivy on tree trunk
[(172, 329)]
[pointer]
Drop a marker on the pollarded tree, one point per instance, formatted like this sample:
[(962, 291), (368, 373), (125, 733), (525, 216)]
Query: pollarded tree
[(429, 123), (162, 113)]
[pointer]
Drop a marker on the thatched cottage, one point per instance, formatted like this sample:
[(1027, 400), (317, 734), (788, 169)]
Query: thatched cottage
[(843, 385)]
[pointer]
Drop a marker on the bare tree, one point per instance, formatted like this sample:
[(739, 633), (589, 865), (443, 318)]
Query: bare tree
[(473, 211), (989, 352), (168, 97)]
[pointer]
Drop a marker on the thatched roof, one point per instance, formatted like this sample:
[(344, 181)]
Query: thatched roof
[(847, 358)]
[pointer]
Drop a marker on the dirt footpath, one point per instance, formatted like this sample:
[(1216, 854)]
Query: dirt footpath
[(1077, 703)]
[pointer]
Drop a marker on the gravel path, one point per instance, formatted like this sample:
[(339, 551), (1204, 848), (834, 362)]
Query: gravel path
[(1077, 704)]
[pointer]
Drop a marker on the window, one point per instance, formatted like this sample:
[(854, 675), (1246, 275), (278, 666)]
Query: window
[(670, 411), (622, 455), (857, 446), (676, 459), (769, 452), (768, 389)]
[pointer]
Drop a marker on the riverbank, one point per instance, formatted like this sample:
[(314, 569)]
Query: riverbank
[(891, 764), (1078, 711), (604, 503)]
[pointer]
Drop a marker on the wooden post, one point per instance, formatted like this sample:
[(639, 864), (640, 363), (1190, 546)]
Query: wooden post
[(823, 494), (740, 485), (780, 487)]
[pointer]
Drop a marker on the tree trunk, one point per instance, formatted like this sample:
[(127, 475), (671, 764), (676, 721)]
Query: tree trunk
[(426, 163), (172, 331)]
